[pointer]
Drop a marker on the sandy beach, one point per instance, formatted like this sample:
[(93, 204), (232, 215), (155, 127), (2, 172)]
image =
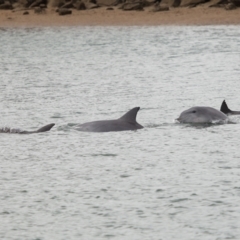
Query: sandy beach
[(116, 17)]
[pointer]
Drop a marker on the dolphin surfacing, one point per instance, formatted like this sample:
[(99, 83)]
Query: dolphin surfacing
[(201, 115), (224, 108), (19, 131), (125, 123)]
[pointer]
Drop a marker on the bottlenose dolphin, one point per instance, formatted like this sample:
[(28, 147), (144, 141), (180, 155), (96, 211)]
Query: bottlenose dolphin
[(202, 115), (124, 123), (15, 130), (226, 110)]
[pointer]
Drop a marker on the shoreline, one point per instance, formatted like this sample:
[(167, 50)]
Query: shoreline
[(101, 17)]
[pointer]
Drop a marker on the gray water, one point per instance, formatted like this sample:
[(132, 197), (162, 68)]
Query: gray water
[(166, 181)]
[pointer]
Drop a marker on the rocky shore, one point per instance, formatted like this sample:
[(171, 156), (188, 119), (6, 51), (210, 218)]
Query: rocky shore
[(118, 12)]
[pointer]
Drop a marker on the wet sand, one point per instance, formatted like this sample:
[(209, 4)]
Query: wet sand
[(102, 17)]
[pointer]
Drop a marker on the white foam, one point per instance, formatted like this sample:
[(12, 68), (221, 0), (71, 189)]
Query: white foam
[(10, 130)]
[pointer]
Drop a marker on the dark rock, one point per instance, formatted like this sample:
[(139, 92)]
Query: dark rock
[(2, 2), (80, 6), (191, 3), (175, 3), (107, 2), (64, 11), (120, 6), (20, 4), (133, 5), (90, 5), (56, 3), (36, 3), (6, 6), (61, 4), (171, 3), (235, 2), (67, 5), (143, 3), (160, 8), (230, 6), (118, 2), (217, 3), (148, 3), (39, 10), (25, 13)]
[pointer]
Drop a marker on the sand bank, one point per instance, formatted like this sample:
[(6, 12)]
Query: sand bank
[(116, 17)]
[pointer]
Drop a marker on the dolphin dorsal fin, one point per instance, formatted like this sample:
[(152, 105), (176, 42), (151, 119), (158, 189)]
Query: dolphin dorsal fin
[(131, 115), (46, 128), (224, 108)]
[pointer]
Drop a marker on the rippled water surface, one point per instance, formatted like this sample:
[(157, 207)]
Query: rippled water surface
[(166, 181)]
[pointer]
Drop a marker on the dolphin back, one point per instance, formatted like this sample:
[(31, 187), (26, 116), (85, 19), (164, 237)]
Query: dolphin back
[(17, 130), (124, 123), (42, 129)]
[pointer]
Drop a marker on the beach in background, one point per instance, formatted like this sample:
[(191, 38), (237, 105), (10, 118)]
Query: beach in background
[(117, 17)]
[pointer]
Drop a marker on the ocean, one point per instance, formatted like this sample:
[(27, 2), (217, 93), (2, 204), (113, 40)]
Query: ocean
[(164, 182)]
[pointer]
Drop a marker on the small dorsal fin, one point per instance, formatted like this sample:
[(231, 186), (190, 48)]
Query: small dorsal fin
[(224, 108), (46, 128), (131, 115)]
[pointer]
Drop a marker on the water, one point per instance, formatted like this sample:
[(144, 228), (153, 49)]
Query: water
[(166, 181)]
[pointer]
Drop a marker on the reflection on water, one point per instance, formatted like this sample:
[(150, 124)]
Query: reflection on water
[(166, 181)]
